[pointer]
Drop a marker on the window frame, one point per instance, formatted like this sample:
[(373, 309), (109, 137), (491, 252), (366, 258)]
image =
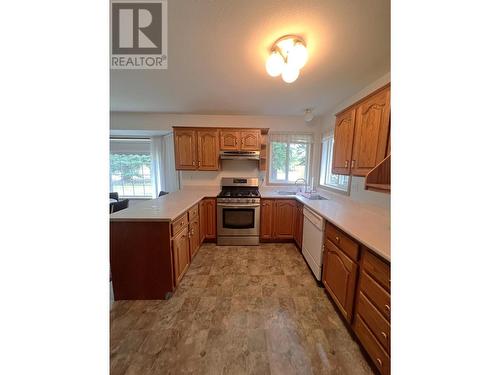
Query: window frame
[(322, 184), (308, 163)]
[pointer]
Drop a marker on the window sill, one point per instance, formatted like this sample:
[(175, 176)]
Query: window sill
[(136, 198)]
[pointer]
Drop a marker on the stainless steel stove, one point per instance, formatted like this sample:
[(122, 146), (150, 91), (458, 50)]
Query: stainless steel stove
[(238, 211)]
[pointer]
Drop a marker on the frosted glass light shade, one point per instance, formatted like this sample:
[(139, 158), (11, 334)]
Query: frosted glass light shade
[(274, 64), (290, 73), (297, 56)]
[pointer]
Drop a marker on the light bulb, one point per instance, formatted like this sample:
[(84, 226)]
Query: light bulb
[(274, 64), (297, 56), (308, 115), (290, 73)]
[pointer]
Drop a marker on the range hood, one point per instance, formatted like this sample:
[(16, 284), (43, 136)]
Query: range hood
[(240, 155)]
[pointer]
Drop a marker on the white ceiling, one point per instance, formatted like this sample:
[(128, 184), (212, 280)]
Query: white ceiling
[(217, 51)]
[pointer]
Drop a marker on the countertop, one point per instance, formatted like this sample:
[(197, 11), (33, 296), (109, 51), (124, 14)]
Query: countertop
[(368, 224), (166, 207)]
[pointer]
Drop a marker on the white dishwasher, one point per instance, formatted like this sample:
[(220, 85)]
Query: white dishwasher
[(312, 241)]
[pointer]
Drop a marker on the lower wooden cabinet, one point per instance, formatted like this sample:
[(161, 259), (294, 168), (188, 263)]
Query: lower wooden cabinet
[(194, 235), (208, 220), (277, 219), (339, 277), (182, 258), (358, 282)]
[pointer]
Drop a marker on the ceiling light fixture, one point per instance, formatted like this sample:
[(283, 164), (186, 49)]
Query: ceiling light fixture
[(288, 56), (308, 115)]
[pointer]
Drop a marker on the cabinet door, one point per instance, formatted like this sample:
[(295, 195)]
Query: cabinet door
[(299, 222), (180, 245), (284, 218), (208, 222), (229, 140), (194, 236), (250, 140), (371, 132), (185, 149), (343, 139), (339, 278), (208, 150), (266, 218)]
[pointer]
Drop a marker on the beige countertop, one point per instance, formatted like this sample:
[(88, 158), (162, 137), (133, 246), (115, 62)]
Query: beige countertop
[(369, 224), (167, 207)]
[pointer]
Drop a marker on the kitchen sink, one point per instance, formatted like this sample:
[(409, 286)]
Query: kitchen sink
[(317, 198)]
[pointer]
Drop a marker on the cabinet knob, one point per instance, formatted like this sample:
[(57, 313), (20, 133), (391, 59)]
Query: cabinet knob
[(384, 335), (337, 239), (387, 307), (379, 361)]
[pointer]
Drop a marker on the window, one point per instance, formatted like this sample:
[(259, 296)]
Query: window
[(327, 178), (130, 168), (290, 157)]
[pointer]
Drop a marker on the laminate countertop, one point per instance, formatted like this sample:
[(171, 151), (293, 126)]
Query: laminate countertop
[(166, 207), (368, 224)]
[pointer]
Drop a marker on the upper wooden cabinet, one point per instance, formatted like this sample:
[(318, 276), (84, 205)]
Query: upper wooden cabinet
[(208, 150), (371, 133), (185, 149), (359, 148), (344, 136), (240, 140), (196, 149)]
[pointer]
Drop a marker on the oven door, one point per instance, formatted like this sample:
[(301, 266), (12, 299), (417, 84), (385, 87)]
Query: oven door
[(238, 219)]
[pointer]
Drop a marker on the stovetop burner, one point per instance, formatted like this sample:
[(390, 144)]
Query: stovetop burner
[(239, 192)]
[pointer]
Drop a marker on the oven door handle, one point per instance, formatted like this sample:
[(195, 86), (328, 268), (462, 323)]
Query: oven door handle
[(239, 205)]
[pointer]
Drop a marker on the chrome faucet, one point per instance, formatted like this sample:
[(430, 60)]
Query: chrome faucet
[(304, 183)]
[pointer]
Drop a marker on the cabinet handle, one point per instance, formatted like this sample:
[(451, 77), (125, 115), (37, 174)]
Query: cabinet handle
[(379, 361), (346, 164), (199, 163), (387, 307), (194, 162), (384, 335), (352, 163), (337, 239)]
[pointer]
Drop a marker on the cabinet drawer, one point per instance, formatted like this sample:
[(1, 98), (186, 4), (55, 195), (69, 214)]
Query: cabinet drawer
[(379, 326), (377, 269), (179, 223), (372, 347), (193, 212), (377, 295), (348, 246)]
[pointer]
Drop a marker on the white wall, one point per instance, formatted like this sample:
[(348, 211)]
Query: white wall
[(156, 123)]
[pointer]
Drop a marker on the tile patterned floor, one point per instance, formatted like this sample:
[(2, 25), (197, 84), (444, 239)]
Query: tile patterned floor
[(238, 310)]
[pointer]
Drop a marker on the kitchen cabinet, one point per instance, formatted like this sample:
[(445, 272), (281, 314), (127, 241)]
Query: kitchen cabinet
[(180, 246), (196, 149), (194, 230), (361, 134), (371, 133), (240, 140), (277, 219), (266, 218), (299, 223), (339, 277), (344, 136), (372, 311), (208, 222), (185, 149)]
